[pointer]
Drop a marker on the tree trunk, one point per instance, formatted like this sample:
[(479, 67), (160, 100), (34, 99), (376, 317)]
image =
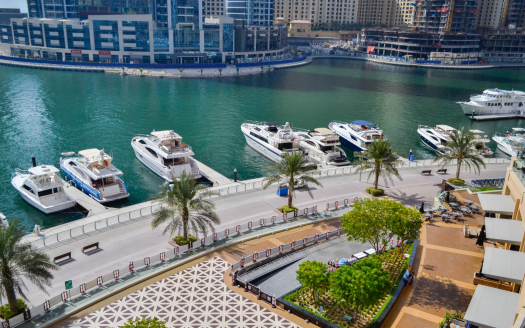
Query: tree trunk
[(459, 169), (290, 191), (376, 182), (11, 297), (185, 217)]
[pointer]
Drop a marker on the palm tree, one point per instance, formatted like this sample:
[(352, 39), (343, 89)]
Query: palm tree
[(292, 166), (237, 70), (186, 208), (181, 70), (220, 71), (461, 147), (380, 159), (20, 261)]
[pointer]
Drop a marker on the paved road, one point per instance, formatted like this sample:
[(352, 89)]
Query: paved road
[(137, 240)]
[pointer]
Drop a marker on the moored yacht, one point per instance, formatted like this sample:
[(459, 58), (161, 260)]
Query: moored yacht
[(481, 140), (437, 137), (511, 143), (321, 145), (357, 134), (43, 188), (164, 153), (495, 101), (271, 139), (93, 172)]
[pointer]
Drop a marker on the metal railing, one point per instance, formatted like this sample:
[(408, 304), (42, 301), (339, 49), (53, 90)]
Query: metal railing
[(157, 260)]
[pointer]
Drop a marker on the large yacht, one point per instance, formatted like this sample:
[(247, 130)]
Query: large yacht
[(43, 188), (164, 153), (92, 172), (357, 134), (437, 137), (321, 145), (270, 139), (495, 101), (511, 143)]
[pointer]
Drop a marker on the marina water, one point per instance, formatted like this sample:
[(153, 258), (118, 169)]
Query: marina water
[(46, 113)]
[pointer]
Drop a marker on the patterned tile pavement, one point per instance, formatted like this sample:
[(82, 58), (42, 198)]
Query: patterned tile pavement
[(195, 297)]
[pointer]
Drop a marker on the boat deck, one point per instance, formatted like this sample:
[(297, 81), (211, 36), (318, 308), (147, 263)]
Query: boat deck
[(85, 201), (495, 117)]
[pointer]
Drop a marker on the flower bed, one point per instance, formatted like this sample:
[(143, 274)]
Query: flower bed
[(393, 261)]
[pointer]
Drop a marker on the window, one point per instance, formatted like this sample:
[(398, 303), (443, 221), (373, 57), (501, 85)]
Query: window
[(45, 192), (258, 137), (285, 145), (28, 189), (152, 152), (72, 163), (171, 161)]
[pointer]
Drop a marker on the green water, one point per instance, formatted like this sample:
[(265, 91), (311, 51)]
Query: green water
[(46, 113)]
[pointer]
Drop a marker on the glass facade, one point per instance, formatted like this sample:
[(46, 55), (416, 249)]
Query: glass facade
[(20, 32), (6, 34), (253, 12), (227, 37), (35, 34), (161, 40), (135, 36), (106, 35), (54, 35), (212, 37), (34, 8), (184, 13), (188, 39), (78, 37)]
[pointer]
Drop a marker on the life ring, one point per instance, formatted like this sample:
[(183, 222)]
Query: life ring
[(183, 146), (106, 162)]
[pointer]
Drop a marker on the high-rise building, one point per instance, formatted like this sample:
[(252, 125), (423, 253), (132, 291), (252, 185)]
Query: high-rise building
[(214, 8), (7, 13), (446, 16), (376, 12), (404, 12), (253, 12), (489, 13), (513, 14), (317, 11)]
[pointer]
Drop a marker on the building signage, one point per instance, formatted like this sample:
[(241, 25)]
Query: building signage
[(104, 52), (210, 20), (76, 51), (474, 11), (442, 10)]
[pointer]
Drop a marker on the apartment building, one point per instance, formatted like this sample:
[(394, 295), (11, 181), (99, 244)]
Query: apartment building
[(404, 13), (317, 11), (376, 12), (489, 13), (214, 8)]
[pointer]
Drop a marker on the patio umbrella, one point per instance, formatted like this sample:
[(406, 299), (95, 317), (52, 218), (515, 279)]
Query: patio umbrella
[(481, 236), (422, 208)]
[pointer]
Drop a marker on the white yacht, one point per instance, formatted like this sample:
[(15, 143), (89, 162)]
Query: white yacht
[(495, 101), (437, 137), (357, 134), (321, 145), (481, 140), (164, 153), (270, 139), (43, 188), (511, 143), (93, 172)]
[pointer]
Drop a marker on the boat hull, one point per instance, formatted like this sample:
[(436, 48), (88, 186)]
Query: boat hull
[(45, 209), (165, 174), (274, 155), (469, 107), (350, 145)]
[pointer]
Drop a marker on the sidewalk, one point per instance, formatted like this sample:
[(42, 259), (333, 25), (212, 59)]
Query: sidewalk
[(137, 239)]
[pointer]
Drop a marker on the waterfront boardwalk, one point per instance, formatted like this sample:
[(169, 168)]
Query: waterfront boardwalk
[(215, 177), (89, 204), (136, 240)]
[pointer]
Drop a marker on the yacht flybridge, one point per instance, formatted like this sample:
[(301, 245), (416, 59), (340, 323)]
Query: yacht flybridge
[(164, 153), (435, 138), (271, 139), (92, 172), (43, 188), (495, 101), (511, 143), (357, 134), (321, 145)]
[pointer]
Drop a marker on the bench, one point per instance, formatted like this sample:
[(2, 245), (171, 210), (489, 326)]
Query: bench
[(90, 246), (348, 318), (68, 255), (426, 172), (442, 171)]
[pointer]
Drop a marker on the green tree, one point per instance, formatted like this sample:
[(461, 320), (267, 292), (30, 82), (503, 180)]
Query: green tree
[(186, 207), (140, 69), (145, 323), (379, 220), (312, 275), (20, 261), (360, 285), (220, 71), (292, 166), (181, 70), (462, 148), (380, 159)]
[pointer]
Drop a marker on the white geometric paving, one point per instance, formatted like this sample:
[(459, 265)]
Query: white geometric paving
[(194, 298)]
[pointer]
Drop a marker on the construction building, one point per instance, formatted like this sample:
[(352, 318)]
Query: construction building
[(489, 14), (405, 13), (446, 16)]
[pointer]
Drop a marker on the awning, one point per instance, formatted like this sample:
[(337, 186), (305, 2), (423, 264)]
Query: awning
[(491, 307), (504, 230), (445, 186), (504, 265), (501, 204)]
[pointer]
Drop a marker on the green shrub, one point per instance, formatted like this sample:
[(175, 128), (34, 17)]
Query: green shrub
[(145, 323), (181, 241), (375, 192), (446, 321), (6, 312), (456, 181), (286, 209)]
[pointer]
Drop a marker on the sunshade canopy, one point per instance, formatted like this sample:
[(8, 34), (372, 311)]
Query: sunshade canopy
[(491, 307), (361, 122), (501, 204), (504, 231), (503, 264)]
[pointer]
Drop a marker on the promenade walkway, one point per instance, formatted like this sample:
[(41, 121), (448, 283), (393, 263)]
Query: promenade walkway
[(138, 240)]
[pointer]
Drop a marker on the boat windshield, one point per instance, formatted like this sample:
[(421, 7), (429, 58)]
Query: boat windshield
[(285, 145), (328, 148)]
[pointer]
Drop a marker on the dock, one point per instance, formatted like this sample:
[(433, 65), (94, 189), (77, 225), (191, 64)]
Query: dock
[(495, 117), (92, 206), (213, 176)]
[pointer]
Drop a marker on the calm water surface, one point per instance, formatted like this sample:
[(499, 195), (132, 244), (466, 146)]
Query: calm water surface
[(46, 113)]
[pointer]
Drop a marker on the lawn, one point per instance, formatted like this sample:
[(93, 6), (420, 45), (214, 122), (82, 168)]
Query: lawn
[(485, 189), (393, 261)]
